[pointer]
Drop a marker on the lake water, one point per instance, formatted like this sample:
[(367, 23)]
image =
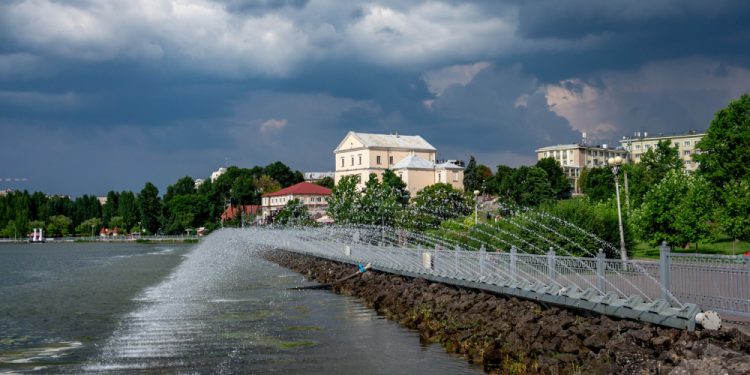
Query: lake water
[(214, 307)]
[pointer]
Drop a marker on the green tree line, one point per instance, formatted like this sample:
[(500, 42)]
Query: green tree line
[(182, 206)]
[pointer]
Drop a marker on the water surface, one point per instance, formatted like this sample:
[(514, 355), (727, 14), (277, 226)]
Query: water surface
[(214, 307)]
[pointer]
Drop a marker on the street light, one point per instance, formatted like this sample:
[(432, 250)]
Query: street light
[(476, 205), (615, 163)]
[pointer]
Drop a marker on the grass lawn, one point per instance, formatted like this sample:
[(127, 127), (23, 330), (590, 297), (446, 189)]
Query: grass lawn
[(722, 246)]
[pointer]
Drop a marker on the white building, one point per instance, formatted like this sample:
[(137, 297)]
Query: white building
[(215, 174), (409, 156)]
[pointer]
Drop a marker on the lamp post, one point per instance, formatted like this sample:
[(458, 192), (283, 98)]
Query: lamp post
[(476, 206), (615, 163)]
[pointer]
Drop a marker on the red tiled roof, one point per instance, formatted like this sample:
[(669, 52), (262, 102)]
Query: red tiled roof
[(303, 188), (232, 211)]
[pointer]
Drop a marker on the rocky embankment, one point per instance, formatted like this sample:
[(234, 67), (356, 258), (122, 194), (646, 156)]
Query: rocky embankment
[(508, 335)]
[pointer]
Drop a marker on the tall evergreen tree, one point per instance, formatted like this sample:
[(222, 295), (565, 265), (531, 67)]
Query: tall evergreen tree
[(472, 178), (150, 208)]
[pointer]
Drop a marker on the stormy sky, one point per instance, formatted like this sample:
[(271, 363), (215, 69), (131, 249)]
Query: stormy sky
[(99, 95)]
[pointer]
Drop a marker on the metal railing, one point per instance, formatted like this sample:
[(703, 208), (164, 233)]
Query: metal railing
[(713, 282)]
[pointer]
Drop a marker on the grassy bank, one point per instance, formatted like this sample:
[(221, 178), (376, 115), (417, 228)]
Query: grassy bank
[(723, 246)]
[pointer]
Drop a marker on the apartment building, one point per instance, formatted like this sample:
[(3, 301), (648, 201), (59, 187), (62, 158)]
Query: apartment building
[(641, 142), (576, 156), (409, 156)]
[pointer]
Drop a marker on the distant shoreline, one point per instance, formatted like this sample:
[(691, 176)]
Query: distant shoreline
[(145, 240)]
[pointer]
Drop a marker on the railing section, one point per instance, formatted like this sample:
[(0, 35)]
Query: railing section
[(714, 282)]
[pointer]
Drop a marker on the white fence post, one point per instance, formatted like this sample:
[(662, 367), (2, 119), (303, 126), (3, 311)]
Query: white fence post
[(455, 258), (665, 270), (513, 259), (482, 253), (600, 270), (551, 271)]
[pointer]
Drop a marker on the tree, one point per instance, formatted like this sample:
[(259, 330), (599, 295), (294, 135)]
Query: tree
[(725, 149), (528, 186), (658, 161), (127, 209), (183, 186), (343, 199), (734, 213), (472, 178), (397, 185), (378, 205), (484, 172), (326, 181), (437, 203), (283, 174), (184, 212), (556, 177), (110, 207), (59, 225), (493, 185), (89, 227), (677, 210), (117, 222), (36, 224), (150, 207), (244, 191), (293, 213), (266, 184), (597, 183)]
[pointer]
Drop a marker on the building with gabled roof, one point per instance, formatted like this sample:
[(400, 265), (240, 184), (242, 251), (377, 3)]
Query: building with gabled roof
[(231, 212), (411, 157), (311, 195)]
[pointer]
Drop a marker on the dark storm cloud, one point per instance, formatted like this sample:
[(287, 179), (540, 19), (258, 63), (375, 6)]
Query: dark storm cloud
[(98, 95), (630, 33)]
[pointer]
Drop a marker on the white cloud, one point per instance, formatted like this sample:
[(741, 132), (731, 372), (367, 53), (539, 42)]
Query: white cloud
[(272, 126), (440, 79), (664, 96), (204, 35), (427, 32), (197, 33)]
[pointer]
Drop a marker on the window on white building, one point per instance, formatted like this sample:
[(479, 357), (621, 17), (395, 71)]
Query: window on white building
[(342, 161), (686, 143), (677, 144), (377, 159), (390, 160), (360, 159), (440, 177), (352, 160), (686, 152)]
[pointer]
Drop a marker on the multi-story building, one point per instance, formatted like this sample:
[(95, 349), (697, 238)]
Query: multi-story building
[(409, 156), (311, 195), (576, 156), (641, 142), (317, 176)]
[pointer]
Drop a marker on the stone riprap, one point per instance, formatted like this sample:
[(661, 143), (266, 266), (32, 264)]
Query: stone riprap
[(508, 335)]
